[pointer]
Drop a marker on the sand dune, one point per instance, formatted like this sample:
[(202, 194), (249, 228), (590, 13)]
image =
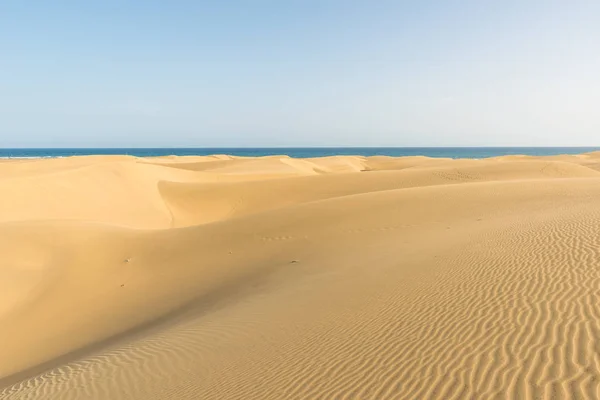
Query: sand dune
[(273, 278)]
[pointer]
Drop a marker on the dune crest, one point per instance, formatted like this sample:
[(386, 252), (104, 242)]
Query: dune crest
[(272, 278)]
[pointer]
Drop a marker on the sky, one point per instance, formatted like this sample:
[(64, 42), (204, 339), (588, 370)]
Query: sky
[(299, 73)]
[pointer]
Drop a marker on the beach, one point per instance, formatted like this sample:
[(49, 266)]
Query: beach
[(346, 277)]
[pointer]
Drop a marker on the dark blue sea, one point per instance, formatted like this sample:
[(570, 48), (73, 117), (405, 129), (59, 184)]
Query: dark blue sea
[(302, 152)]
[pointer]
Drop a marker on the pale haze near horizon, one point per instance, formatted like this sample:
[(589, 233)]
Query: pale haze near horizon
[(311, 73)]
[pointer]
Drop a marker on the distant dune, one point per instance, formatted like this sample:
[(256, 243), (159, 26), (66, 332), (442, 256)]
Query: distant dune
[(345, 277)]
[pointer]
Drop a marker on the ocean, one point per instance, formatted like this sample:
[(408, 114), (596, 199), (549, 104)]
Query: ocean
[(301, 152)]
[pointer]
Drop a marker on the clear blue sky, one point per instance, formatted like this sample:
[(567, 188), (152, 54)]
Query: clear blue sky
[(299, 73)]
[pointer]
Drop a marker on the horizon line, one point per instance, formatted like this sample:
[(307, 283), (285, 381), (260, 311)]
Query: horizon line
[(292, 147)]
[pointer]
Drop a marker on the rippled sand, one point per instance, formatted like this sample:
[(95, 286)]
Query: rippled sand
[(277, 278)]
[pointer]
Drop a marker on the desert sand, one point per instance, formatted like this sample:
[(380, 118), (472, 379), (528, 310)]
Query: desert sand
[(277, 278)]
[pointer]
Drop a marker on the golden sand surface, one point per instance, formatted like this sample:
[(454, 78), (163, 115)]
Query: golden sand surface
[(276, 278)]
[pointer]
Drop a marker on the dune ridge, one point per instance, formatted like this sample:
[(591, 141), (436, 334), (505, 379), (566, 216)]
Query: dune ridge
[(341, 277)]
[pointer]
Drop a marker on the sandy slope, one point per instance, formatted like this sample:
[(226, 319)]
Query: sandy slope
[(273, 278)]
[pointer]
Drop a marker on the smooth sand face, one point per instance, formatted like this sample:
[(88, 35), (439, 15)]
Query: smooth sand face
[(274, 278)]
